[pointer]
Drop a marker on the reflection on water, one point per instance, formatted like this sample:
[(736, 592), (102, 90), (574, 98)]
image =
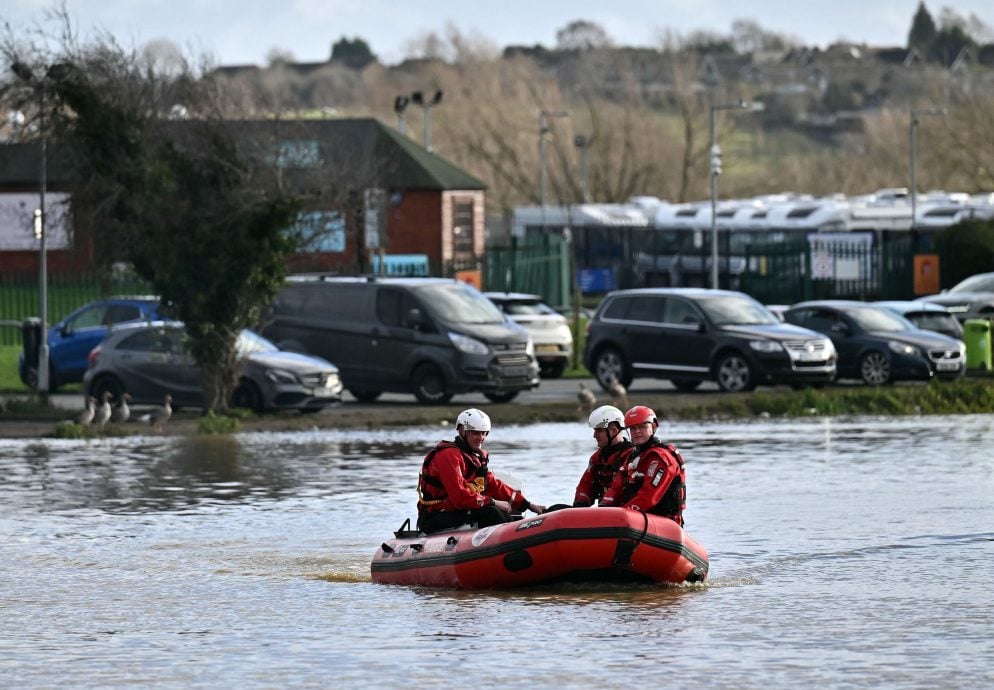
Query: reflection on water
[(844, 553)]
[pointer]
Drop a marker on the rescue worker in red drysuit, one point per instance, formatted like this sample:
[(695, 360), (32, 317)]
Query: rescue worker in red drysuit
[(608, 423), (457, 487), (652, 479)]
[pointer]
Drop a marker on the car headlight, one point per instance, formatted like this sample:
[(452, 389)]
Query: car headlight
[(766, 345), (471, 346), (830, 348), (904, 349), (281, 376), (530, 348)]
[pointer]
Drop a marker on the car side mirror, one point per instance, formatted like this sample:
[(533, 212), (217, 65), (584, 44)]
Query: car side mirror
[(840, 328), (64, 330)]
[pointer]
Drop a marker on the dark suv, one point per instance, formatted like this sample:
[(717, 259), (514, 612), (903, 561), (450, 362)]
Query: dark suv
[(690, 335)]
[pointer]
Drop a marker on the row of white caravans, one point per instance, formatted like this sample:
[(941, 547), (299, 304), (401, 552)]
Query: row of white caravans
[(885, 209)]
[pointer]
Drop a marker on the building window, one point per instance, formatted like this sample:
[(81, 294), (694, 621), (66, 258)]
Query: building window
[(298, 154), (462, 229)]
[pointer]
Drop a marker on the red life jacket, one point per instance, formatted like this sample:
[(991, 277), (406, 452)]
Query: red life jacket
[(604, 471), (431, 491), (674, 500)]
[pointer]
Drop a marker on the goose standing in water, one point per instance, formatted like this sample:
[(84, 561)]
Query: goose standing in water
[(161, 415), (103, 411), (86, 416), (121, 412)]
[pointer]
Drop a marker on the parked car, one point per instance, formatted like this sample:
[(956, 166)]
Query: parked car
[(548, 328), (70, 340), (690, 335), (149, 360), (432, 337), (928, 316), (972, 298), (878, 346)]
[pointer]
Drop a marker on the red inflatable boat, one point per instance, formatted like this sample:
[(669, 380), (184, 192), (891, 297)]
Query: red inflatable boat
[(573, 545)]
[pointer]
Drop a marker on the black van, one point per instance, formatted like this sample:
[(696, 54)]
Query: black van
[(432, 337)]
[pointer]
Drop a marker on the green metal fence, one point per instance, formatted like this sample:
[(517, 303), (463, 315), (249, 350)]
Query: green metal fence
[(19, 297), (539, 266), (789, 273)]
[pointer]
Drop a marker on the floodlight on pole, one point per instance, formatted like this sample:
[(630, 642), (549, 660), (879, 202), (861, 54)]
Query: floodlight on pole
[(543, 128), (399, 106), (913, 146), (418, 98), (715, 171)]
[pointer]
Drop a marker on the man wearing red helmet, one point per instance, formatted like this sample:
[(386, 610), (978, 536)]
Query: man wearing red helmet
[(456, 485), (653, 480)]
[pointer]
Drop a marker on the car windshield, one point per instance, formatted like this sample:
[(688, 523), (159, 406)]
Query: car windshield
[(459, 303), (934, 321), (733, 310), (978, 283), (528, 309), (249, 342), (874, 319)]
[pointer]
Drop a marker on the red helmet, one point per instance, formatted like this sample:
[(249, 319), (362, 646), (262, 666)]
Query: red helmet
[(640, 414)]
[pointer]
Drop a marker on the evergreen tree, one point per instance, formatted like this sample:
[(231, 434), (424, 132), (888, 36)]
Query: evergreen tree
[(922, 31), (355, 53)]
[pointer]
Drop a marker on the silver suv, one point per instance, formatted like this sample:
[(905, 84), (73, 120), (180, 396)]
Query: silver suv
[(690, 335)]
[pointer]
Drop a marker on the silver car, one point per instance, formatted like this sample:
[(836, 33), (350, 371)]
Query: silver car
[(548, 329), (148, 360), (972, 298)]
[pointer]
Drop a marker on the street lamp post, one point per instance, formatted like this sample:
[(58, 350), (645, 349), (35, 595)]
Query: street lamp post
[(418, 99), (913, 147), (26, 74), (715, 152), (543, 128)]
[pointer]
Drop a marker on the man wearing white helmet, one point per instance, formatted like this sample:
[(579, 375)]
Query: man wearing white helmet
[(456, 485), (608, 423)]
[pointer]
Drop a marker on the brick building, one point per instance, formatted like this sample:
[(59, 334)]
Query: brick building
[(368, 192)]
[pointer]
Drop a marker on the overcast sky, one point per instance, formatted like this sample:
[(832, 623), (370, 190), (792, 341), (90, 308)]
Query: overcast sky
[(244, 31)]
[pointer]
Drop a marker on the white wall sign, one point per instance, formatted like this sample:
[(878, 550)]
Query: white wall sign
[(17, 221)]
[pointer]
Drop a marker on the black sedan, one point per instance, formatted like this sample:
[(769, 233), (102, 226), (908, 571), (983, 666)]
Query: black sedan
[(878, 346)]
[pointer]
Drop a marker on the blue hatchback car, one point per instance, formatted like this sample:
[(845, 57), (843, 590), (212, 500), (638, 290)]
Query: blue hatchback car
[(70, 340)]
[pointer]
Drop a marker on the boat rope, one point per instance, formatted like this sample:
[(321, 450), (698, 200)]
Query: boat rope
[(645, 530)]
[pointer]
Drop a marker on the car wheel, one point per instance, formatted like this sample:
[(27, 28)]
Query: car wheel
[(874, 369), (734, 373), (685, 385), (428, 385), (554, 370), (501, 397), (364, 396), (247, 395), (107, 383), (609, 366)]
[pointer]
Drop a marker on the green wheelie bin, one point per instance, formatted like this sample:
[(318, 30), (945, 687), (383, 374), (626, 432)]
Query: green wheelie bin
[(977, 336)]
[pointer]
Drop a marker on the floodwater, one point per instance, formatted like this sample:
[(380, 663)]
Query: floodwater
[(845, 553)]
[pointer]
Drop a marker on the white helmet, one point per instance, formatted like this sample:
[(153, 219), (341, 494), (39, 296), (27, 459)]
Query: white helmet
[(604, 415), (473, 420)]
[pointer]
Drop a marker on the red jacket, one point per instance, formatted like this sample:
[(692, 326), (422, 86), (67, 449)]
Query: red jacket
[(601, 470), (652, 481), (453, 477)]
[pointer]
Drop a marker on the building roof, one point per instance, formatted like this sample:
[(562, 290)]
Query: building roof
[(362, 151), (374, 154)]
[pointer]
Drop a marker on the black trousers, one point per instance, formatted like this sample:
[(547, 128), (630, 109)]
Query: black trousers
[(481, 517)]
